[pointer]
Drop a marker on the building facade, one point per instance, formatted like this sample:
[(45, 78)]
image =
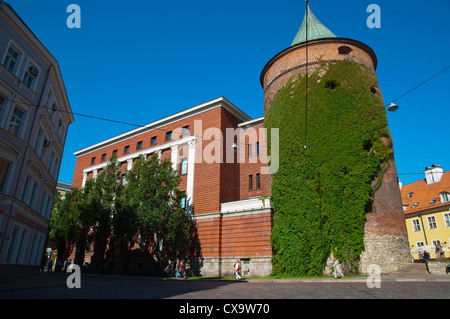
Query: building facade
[(227, 178), (315, 44), (219, 151), (427, 212), (34, 118)]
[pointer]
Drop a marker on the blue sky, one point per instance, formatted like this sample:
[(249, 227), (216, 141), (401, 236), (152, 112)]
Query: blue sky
[(138, 61)]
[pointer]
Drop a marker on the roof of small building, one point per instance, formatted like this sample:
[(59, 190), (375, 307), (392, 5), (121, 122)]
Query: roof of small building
[(316, 30), (420, 196)]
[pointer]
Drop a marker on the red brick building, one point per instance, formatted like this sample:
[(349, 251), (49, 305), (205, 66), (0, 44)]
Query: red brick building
[(220, 153)]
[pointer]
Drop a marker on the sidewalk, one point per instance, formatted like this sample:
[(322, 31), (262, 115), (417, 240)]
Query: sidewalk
[(48, 280)]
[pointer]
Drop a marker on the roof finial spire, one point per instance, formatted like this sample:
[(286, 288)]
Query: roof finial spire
[(316, 30)]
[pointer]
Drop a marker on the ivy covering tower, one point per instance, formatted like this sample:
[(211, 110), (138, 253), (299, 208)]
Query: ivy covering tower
[(335, 192)]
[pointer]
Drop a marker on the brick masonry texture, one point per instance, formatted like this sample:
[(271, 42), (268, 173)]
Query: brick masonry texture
[(386, 218)]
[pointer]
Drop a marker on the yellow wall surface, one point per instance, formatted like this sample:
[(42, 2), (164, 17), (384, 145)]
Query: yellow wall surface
[(433, 226)]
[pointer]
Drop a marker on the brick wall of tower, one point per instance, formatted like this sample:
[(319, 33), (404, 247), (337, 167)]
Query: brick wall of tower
[(293, 59), (385, 222)]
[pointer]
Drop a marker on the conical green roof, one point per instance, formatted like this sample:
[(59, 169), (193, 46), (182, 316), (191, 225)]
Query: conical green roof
[(316, 30)]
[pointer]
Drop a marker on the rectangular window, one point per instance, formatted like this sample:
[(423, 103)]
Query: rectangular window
[(23, 240), (11, 59), (33, 249), (114, 153), (257, 148), (168, 136), (12, 244), (49, 100), (250, 182), (2, 103), (30, 76), (445, 198), (258, 181), (416, 225), (38, 256), (183, 202), (420, 244), (436, 242), (139, 145), (183, 165), (431, 222), (25, 190), (185, 130), (43, 204), (48, 209), (153, 140), (4, 172), (103, 157), (33, 195), (446, 218), (16, 121), (93, 161), (126, 149)]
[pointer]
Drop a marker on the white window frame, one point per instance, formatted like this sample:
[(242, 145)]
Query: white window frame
[(432, 222), (11, 252), (18, 61), (416, 226), (446, 217), (14, 117), (28, 75), (183, 166), (445, 197)]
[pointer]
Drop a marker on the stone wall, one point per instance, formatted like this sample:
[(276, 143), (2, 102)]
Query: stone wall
[(390, 252), (438, 267)]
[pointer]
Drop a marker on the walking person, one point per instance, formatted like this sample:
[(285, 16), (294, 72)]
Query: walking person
[(237, 269), (337, 269), (177, 267), (169, 270), (421, 257), (182, 270)]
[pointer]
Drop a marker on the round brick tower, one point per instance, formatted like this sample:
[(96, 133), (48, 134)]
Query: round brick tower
[(385, 236)]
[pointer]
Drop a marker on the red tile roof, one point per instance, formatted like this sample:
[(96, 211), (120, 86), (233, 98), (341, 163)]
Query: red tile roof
[(424, 194)]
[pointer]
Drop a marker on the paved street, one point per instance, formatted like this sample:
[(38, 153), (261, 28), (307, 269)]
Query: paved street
[(53, 286)]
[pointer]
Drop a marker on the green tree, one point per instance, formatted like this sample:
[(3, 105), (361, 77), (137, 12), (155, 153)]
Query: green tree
[(104, 196), (60, 226), (151, 193)]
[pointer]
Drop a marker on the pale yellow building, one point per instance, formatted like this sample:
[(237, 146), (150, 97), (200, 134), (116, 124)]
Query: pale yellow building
[(427, 212)]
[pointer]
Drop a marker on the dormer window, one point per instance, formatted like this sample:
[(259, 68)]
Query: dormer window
[(409, 195), (445, 197), (415, 205), (434, 200)]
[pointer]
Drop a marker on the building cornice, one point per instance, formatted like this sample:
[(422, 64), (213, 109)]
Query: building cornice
[(427, 211), (219, 102)]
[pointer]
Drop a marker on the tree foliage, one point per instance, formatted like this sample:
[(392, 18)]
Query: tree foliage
[(323, 188), (114, 214)]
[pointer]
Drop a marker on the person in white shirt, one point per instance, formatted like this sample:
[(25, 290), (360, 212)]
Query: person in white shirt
[(237, 269)]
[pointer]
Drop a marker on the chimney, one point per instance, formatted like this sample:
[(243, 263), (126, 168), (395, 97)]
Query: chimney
[(433, 174)]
